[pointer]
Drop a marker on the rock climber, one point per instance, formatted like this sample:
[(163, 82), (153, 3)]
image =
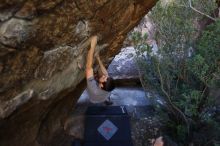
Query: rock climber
[(100, 86)]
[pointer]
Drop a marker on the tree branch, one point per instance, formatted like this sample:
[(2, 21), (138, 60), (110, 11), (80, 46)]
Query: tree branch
[(190, 4), (169, 100)]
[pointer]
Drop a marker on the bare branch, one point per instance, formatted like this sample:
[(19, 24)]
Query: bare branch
[(169, 100), (190, 4)]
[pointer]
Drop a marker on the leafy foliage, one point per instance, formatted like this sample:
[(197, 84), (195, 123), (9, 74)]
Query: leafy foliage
[(205, 64), (184, 68)]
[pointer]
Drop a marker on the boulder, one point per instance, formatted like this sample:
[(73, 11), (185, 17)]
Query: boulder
[(43, 43)]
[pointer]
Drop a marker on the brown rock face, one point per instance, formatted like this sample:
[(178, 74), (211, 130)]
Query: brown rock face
[(42, 43)]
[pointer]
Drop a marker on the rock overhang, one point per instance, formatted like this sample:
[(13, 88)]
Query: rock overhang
[(42, 45)]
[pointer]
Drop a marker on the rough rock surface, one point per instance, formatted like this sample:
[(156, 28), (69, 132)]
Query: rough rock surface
[(123, 66), (42, 45)]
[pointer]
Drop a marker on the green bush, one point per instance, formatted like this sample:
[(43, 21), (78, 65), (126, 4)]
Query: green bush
[(181, 77), (205, 63)]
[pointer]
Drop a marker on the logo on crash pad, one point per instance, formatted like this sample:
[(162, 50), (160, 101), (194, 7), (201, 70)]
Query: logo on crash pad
[(107, 129)]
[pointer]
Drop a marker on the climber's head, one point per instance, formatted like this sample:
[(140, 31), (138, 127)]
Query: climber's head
[(106, 83)]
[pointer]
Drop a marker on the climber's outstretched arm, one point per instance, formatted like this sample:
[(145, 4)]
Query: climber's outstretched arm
[(102, 67), (89, 62)]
